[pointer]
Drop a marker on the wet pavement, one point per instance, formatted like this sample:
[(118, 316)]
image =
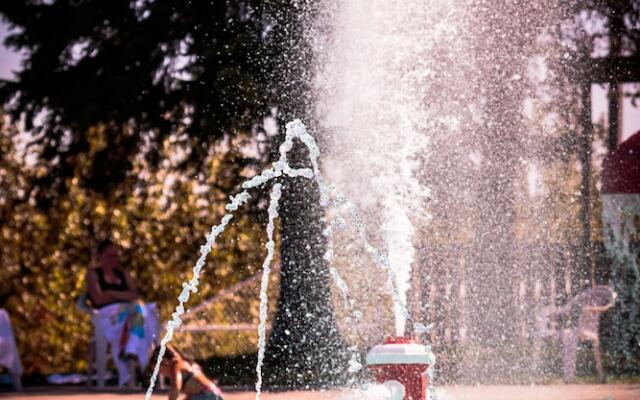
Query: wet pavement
[(545, 392)]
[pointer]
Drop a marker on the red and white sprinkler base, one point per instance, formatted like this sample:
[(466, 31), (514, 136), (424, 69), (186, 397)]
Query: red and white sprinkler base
[(401, 362)]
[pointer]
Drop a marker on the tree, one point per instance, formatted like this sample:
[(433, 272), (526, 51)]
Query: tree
[(143, 71), (603, 39), (45, 253), (305, 347), (120, 80)]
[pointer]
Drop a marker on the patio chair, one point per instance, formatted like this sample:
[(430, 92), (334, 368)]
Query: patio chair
[(584, 311), (99, 346), (9, 357)]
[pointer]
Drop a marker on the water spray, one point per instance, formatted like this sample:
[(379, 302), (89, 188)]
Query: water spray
[(294, 130)]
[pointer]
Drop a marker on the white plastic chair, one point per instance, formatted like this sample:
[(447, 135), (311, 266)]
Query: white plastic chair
[(586, 308), (99, 346), (590, 304), (9, 357)]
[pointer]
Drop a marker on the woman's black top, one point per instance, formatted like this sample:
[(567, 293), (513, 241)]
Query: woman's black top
[(104, 285)]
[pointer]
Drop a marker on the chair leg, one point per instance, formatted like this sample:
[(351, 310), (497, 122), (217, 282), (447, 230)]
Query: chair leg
[(91, 362), (16, 380), (132, 374), (598, 356), (101, 360)]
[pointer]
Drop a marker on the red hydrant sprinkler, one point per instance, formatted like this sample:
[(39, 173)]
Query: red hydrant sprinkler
[(402, 361)]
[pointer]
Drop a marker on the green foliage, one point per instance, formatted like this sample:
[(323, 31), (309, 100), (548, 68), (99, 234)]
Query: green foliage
[(141, 71), (159, 220), (139, 121), (140, 105)]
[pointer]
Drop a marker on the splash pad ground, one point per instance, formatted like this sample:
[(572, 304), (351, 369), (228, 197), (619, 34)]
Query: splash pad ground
[(546, 392)]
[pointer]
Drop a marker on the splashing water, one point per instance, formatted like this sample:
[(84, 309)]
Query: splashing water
[(423, 92), (294, 130), (373, 68), (620, 216), (264, 284), (380, 259), (399, 233), (388, 391), (192, 285), (621, 223)]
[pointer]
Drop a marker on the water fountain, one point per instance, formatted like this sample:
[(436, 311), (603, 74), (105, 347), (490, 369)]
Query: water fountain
[(420, 105), (404, 363), (394, 81), (281, 169)]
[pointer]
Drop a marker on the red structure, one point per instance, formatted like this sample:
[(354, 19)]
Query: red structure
[(621, 168), (402, 361)]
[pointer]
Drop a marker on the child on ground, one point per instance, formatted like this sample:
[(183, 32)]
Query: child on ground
[(186, 377)]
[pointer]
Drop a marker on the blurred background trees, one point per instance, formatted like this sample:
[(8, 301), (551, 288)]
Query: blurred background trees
[(158, 221), (130, 120), (136, 120)]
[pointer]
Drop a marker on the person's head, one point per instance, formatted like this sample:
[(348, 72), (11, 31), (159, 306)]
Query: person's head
[(107, 254), (171, 356)]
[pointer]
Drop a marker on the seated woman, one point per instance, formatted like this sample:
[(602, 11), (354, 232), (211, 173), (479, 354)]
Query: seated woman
[(186, 377), (121, 317)]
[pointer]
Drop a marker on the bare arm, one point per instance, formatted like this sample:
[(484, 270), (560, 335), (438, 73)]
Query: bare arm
[(130, 294), (95, 292)]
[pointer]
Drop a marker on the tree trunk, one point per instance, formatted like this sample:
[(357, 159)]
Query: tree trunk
[(305, 347)]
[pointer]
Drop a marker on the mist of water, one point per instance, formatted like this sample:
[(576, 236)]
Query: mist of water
[(620, 215), (294, 130), (264, 284), (621, 224), (422, 107), (372, 71)]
